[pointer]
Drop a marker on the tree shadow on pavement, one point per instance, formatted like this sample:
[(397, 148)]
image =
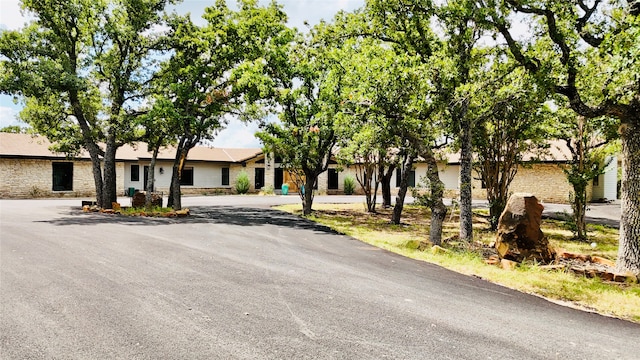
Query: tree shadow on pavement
[(231, 215)]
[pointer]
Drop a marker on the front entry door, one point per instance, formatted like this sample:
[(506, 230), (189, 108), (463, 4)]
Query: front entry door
[(259, 181)]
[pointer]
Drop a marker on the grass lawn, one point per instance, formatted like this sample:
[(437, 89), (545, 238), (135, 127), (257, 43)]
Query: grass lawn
[(621, 300)]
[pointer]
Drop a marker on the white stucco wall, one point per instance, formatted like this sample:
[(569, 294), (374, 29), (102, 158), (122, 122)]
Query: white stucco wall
[(205, 175), (607, 184), (449, 175)]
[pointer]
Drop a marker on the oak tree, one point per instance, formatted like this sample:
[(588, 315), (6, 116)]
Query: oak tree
[(587, 52)]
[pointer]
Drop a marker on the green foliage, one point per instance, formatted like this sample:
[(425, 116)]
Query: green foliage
[(242, 183), (267, 190), (349, 185), (422, 194), (203, 81), (510, 123), (81, 67), (14, 129), (588, 55), (152, 211), (304, 83)]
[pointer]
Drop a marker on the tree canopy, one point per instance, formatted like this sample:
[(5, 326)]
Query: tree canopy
[(81, 67), (587, 52)]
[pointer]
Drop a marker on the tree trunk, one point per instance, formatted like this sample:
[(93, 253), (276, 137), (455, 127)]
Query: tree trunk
[(579, 207), (438, 209), (385, 181), (89, 144), (629, 247), (175, 197), (466, 196), (407, 164), (109, 194), (307, 200), (150, 185), (496, 207), (96, 165), (364, 176), (375, 198), (368, 178), (580, 185)]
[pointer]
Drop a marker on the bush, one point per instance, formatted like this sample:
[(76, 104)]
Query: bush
[(242, 183), (349, 185), (267, 190)]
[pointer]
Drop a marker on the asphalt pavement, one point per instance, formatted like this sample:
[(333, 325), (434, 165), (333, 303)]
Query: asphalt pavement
[(237, 280)]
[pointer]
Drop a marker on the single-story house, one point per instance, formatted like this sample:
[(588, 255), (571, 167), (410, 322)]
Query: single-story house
[(29, 169)]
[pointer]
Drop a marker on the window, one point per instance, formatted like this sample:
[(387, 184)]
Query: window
[(411, 181), (333, 179), (62, 176), (187, 177), (278, 178), (225, 176), (596, 180), (135, 172), (259, 178)]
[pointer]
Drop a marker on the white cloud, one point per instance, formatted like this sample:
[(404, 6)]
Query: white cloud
[(312, 11), (8, 117), (238, 135), (11, 16)]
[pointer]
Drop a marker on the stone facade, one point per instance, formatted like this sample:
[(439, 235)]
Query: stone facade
[(26, 171), (250, 169), (546, 181), (33, 178)]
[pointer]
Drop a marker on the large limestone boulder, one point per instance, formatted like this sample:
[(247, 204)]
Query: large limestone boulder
[(519, 236)]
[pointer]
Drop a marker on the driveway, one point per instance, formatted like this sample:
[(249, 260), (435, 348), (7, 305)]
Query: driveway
[(240, 281)]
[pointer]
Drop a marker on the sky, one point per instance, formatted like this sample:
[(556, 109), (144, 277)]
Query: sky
[(237, 134)]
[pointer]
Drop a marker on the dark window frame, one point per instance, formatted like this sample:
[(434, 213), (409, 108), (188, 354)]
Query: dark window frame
[(225, 176), (333, 179), (136, 172), (278, 178), (259, 178), (62, 176), (187, 180), (411, 181)]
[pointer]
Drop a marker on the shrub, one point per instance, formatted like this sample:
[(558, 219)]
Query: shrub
[(349, 185), (242, 183), (267, 190)]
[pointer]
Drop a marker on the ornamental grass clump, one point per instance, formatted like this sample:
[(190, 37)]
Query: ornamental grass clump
[(349, 185), (242, 183)]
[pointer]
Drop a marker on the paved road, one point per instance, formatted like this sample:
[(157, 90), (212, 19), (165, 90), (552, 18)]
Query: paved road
[(245, 282)]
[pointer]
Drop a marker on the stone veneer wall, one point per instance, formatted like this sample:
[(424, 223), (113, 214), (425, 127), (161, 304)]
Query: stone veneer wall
[(236, 169), (546, 181), (30, 178)]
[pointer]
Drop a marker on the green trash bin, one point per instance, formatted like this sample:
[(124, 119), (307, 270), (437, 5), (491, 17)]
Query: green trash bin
[(131, 192), (285, 189)]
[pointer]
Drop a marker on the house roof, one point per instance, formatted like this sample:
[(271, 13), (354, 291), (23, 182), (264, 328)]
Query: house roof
[(556, 152), (24, 145), (30, 146)]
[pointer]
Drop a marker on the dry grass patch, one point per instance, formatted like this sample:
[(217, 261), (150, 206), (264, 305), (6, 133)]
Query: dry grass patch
[(619, 300)]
